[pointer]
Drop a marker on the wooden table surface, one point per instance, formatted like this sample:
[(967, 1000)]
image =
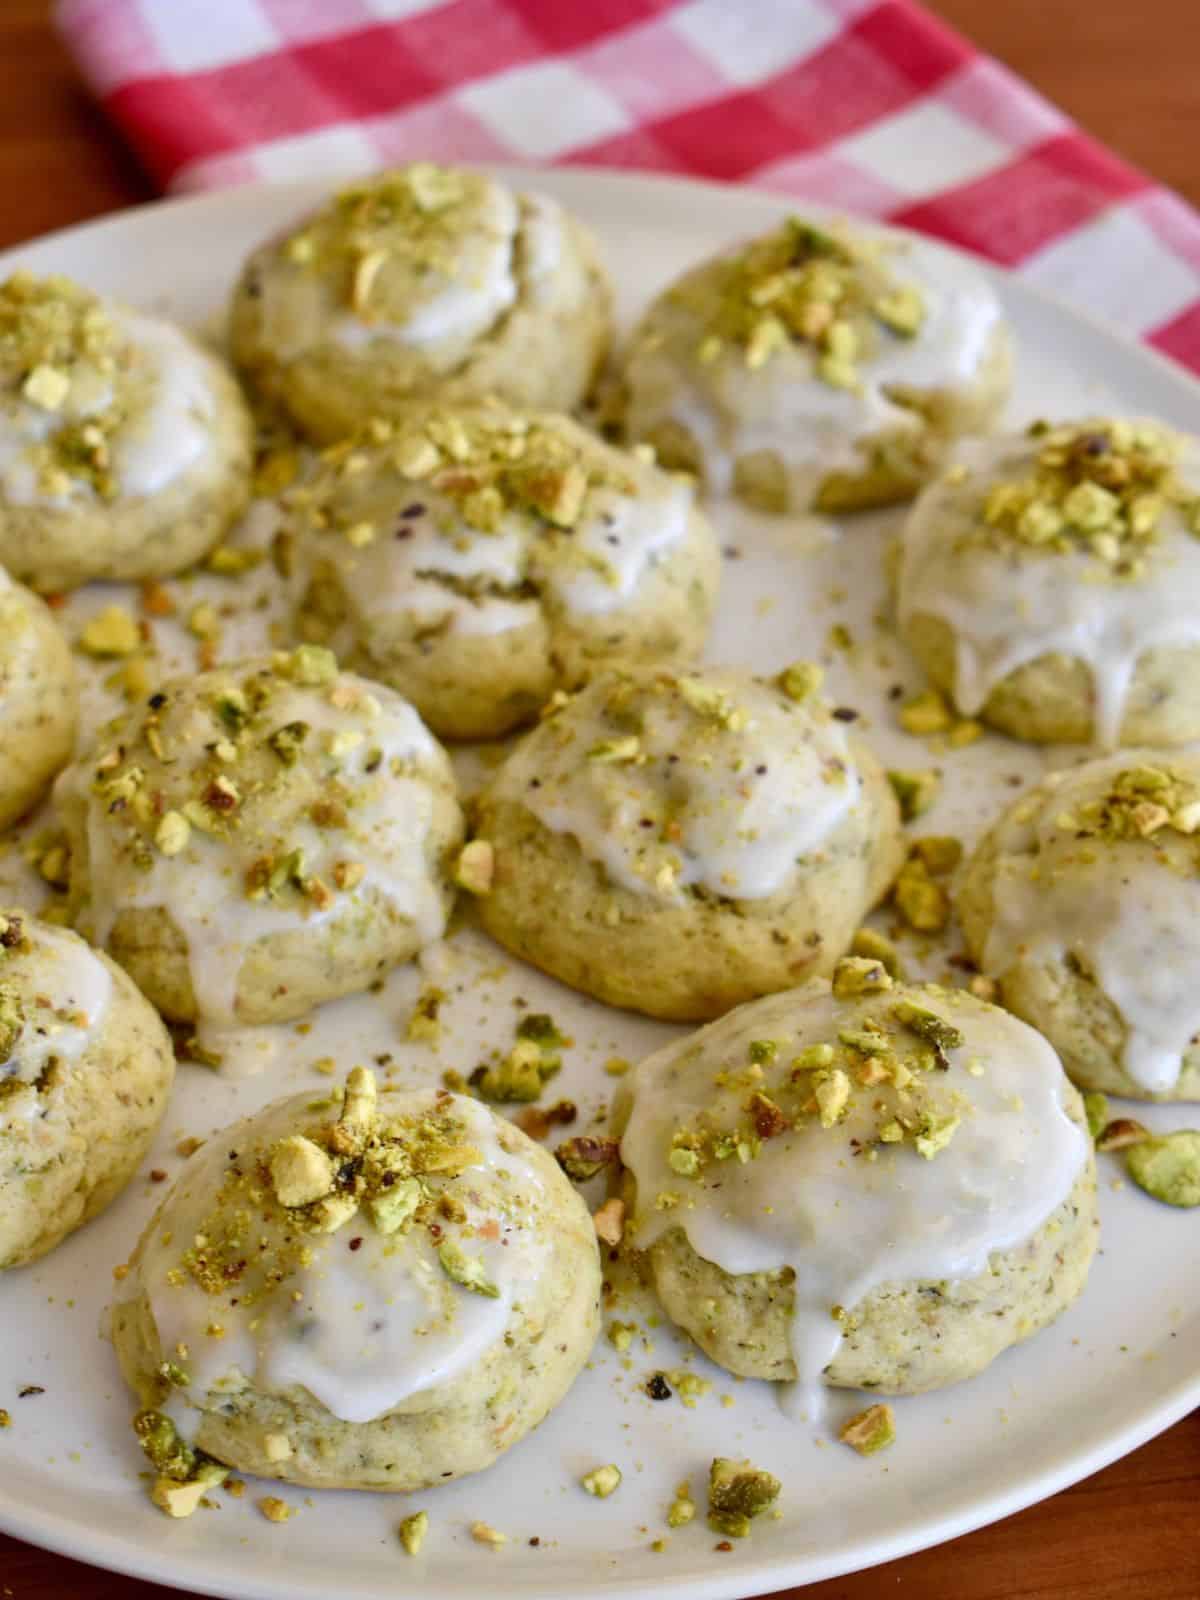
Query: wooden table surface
[(1129, 72)]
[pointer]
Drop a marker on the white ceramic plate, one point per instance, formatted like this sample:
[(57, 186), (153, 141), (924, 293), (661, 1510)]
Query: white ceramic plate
[(1120, 1366)]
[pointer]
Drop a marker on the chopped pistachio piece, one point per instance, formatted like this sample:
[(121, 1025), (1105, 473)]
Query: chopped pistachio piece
[(855, 975), (938, 854), (301, 1171), (476, 867), (801, 680), (740, 1489), (111, 632), (1168, 1167), (915, 791), (602, 1481), (467, 1271), (870, 1431), (412, 1532), (1121, 1134)]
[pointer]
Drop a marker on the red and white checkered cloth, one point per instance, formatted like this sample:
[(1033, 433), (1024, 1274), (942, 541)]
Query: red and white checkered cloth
[(871, 105)]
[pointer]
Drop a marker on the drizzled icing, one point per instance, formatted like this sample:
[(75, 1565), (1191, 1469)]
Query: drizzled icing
[(1127, 908), (734, 410), (712, 780), (1010, 603), (462, 293), (371, 747), (65, 992), (162, 387), (424, 559), (362, 1330), (846, 1213)]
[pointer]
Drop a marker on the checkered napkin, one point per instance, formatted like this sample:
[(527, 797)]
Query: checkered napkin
[(871, 105)]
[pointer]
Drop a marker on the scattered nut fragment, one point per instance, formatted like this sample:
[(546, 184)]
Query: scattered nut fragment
[(801, 680), (939, 854), (609, 1222), (587, 1155), (178, 1499), (855, 975), (111, 632), (484, 1533), (602, 1481), (682, 1509), (275, 1509), (1168, 1167), (870, 1430), (915, 791), (737, 1492), (1121, 1133), (412, 1532), (923, 904), (476, 867)]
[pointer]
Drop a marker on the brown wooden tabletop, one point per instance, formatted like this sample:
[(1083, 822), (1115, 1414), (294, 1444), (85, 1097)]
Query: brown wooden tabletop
[(1129, 70)]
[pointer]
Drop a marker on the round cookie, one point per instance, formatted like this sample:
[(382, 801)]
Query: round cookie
[(424, 1289), (261, 838), (815, 368), (38, 701), (479, 561), (679, 843), (1083, 900), (86, 1069), (870, 1186), (422, 285), (1046, 583), (125, 448)]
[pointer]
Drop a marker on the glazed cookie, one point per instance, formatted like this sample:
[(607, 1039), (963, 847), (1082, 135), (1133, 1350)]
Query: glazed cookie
[(125, 448), (817, 369), (426, 284), (1084, 902), (38, 703), (261, 838), (873, 1186), (424, 1289), (678, 844), (85, 1072), (479, 561), (1047, 583)]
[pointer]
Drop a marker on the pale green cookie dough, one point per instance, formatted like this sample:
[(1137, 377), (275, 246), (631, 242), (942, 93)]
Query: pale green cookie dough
[(125, 448), (477, 561), (1046, 582), (38, 701), (1083, 901), (679, 843), (424, 284), (424, 1289), (85, 1072), (262, 838), (882, 1187), (816, 368)]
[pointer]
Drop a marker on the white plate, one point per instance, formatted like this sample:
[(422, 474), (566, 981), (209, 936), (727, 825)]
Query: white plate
[(1116, 1369)]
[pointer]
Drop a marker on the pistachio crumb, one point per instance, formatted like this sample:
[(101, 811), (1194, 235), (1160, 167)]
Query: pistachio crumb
[(412, 1532), (870, 1430), (602, 1481)]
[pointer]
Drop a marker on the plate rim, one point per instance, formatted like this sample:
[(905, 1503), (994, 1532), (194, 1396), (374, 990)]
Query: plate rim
[(57, 1532)]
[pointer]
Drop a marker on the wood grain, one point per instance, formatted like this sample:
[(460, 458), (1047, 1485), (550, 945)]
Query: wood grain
[(1129, 72)]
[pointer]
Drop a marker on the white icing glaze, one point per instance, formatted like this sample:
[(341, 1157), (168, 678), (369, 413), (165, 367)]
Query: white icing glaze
[(461, 302), (169, 430), (745, 804), (846, 1225), (733, 410), (1010, 605), (365, 1330), (1129, 910), (162, 442), (594, 569), (76, 988), (203, 887)]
